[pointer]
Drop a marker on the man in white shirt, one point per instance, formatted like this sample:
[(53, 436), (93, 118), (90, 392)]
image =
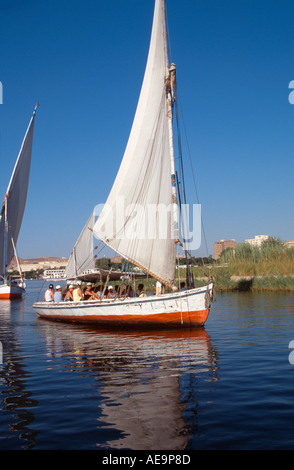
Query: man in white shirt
[(49, 294)]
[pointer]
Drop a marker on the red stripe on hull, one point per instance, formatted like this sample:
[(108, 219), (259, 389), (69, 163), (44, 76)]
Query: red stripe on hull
[(197, 318), (9, 296)]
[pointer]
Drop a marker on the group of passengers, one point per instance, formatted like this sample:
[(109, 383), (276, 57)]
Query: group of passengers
[(75, 293)]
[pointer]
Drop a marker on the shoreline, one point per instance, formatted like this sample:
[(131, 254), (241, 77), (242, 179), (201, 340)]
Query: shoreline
[(273, 283)]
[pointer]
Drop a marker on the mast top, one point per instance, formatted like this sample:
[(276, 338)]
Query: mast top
[(37, 104)]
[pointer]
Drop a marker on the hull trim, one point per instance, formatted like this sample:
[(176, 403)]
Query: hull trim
[(197, 318), (10, 296)]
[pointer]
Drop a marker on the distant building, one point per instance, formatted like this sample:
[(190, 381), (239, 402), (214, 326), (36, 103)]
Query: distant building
[(257, 240), (289, 244), (116, 259), (219, 247), (54, 274)]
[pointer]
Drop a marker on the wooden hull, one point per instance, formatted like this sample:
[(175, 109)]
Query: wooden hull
[(181, 309), (9, 292)]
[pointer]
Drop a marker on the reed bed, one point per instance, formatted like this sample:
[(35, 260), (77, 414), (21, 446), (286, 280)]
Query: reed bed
[(269, 267), (247, 267), (272, 258)]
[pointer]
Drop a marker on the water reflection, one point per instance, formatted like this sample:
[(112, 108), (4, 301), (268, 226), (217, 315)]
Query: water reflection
[(68, 387), (5, 309), (71, 387), (16, 399), (141, 379), (9, 308)]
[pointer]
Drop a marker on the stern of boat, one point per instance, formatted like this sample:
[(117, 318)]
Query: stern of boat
[(11, 291)]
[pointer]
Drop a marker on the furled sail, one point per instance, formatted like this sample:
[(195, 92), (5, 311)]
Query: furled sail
[(137, 220), (15, 199), (81, 258)]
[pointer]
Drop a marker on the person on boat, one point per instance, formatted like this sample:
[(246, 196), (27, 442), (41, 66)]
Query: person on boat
[(159, 289), (123, 290), (49, 294), (58, 297), (131, 292), (69, 293), (98, 291), (141, 290), (89, 293), (111, 293), (77, 292), (183, 287)]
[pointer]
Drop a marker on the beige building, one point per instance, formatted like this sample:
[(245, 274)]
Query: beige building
[(257, 240), (289, 244), (219, 247), (116, 259)]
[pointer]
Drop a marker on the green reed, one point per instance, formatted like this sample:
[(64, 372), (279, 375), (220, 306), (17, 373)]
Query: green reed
[(271, 258)]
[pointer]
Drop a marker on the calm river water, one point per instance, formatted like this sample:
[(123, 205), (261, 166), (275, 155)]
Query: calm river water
[(228, 386)]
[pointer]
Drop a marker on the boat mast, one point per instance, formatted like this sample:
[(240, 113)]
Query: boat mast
[(170, 96)]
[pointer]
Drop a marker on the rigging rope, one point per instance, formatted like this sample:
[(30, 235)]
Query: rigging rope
[(191, 164), (178, 107)]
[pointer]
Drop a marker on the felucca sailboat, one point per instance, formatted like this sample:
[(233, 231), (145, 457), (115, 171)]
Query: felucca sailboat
[(140, 219), (12, 214)]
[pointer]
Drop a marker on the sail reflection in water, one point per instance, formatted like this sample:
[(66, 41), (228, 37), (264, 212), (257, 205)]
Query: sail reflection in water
[(144, 382)]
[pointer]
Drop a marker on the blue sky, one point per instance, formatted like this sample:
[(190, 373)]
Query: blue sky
[(84, 61)]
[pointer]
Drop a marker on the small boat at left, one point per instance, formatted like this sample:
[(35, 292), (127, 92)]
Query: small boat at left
[(11, 216)]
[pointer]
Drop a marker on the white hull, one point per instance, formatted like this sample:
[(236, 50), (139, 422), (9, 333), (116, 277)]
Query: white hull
[(11, 291), (189, 308)]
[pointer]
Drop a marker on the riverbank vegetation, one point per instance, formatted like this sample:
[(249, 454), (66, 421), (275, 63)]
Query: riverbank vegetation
[(246, 267), (271, 258)]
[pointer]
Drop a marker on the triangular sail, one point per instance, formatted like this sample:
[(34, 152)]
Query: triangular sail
[(137, 220), (15, 199), (81, 258)]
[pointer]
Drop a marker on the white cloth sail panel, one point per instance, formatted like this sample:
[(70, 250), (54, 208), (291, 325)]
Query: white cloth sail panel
[(81, 258), (132, 222), (16, 196)]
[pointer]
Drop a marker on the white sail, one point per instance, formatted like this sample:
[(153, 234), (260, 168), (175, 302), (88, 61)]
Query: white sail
[(15, 199), (81, 258), (138, 218)]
